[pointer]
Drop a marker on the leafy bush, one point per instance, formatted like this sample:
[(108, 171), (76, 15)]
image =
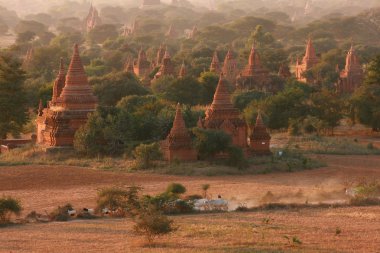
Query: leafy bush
[(176, 188), (126, 201), (151, 223), (9, 206), (145, 154)]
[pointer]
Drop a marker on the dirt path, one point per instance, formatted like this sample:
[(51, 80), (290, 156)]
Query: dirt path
[(45, 187)]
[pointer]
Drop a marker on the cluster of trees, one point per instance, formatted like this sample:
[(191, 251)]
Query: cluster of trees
[(131, 114)]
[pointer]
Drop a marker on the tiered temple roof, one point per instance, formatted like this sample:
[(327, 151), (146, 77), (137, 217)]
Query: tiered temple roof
[(352, 76), (178, 144), (230, 69), (129, 66), (309, 60), (215, 64), (72, 102), (260, 138), (92, 19), (160, 55), (254, 76), (222, 115), (142, 66), (77, 93), (172, 33), (167, 67), (59, 83)]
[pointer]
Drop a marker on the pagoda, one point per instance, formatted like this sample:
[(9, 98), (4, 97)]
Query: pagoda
[(167, 67), (222, 115), (259, 141), (193, 33), (171, 33), (178, 144), (92, 19), (142, 66), (160, 55), (129, 66), (254, 76), (72, 102), (230, 69), (352, 76), (182, 71), (215, 64), (309, 60)]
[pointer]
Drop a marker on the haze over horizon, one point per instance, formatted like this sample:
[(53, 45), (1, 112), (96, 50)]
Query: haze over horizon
[(25, 7)]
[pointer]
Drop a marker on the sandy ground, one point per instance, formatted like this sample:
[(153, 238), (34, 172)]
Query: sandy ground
[(43, 188)]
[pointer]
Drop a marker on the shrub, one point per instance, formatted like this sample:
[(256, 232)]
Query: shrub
[(8, 207), (176, 188), (61, 213), (211, 142), (126, 201), (151, 223), (145, 154)]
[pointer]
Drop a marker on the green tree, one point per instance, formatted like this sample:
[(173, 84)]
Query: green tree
[(102, 32), (111, 88), (107, 132), (152, 224), (8, 207), (12, 97), (366, 100), (146, 154), (209, 82), (184, 91)]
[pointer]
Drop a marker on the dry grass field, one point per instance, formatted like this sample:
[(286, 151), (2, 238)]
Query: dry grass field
[(43, 188)]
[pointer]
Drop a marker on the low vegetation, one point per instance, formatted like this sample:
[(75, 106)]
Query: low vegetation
[(8, 207)]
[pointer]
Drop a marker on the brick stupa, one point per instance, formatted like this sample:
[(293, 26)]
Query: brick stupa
[(215, 64), (69, 108), (260, 138), (254, 76), (142, 66), (230, 69), (160, 55), (92, 19), (167, 67), (178, 144), (352, 76), (309, 60), (222, 115)]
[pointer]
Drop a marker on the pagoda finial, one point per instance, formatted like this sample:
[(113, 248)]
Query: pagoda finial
[(259, 120)]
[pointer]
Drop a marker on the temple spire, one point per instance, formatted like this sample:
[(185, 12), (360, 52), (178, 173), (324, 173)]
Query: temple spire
[(310, 51), (59, 82), (179, 127), (222, 96), (182, 72), (76, 74), (215, 63), (259, 120)]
